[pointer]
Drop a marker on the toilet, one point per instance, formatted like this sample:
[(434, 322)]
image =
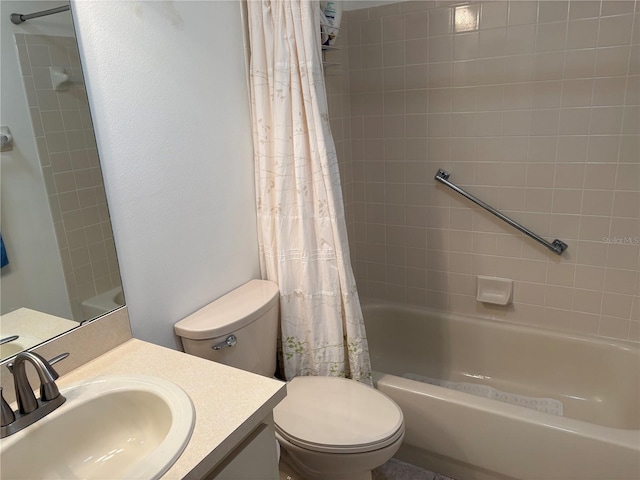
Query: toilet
[(329, 428)]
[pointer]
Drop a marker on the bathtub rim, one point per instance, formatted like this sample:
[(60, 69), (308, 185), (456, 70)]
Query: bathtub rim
[(625, 438), (101, 304), (486, 451)]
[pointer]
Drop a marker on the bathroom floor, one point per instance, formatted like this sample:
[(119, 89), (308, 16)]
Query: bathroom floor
[(397, 470), (392, 470)]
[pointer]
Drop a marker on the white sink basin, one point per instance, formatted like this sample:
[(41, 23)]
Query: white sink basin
[(120, 427)]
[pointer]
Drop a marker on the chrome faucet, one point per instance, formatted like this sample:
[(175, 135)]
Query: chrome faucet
[(30, 409)]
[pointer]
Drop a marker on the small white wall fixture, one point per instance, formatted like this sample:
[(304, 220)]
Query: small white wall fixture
[(495, 290), (60, 78)]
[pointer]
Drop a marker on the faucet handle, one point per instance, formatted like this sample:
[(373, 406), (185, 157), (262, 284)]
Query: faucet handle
[(12, 338), (6, 413), (51, 361), (57, 358), (49, 390), (48, 376)]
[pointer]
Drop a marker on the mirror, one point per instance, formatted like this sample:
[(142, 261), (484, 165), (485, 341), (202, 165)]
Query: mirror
[(55, 227)]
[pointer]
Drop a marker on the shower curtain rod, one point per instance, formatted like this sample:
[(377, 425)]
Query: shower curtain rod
[(557, 246), (18, 18)]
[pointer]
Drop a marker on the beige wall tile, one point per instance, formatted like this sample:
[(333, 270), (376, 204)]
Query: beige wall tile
[(603, 148), (616, 305), (416, 51), (611, 61), (371, 31), (614, 327), (562, 274), (581, 63), (585, 323), (567, 201), (582, 33), (631, 120), (553, 11), (551, 37), (629, 148), (528, 113), (609, 91), (38, 55), (393, 54), (615, 30), (416, 25), (587, 301), (620, 281), (440, 21), (626, 204), (393, 28), (568, 175), (523, 12), (584, 9), (577, 93)]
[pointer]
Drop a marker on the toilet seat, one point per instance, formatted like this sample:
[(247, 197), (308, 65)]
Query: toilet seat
[(336, 415)]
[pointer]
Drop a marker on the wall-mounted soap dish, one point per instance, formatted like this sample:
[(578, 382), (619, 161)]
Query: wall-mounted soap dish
[(60, 78), (498, 291)]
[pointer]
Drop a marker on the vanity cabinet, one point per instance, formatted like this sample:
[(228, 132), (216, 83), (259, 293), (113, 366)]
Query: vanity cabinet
[(255, 457), (233, 437)]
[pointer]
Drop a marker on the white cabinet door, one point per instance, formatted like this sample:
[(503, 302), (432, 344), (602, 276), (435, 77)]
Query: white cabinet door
[(254, 459)]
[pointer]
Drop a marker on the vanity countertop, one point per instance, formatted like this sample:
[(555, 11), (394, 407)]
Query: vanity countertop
[(229, 403), (31, 322)]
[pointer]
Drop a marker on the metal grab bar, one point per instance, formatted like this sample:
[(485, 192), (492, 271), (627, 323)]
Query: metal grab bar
[(557, 246)]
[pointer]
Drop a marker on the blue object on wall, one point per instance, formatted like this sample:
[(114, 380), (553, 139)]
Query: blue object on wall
[(4, 260)]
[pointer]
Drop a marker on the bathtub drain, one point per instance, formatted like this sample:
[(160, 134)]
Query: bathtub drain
[(547, 405)]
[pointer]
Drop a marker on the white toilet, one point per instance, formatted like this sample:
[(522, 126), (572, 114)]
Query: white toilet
[(329, 428)]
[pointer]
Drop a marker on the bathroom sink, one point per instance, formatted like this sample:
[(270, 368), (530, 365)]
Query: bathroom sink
[(117, 427)]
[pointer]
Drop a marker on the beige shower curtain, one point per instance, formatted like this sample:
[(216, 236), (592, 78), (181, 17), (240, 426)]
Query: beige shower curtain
[(301, 227)]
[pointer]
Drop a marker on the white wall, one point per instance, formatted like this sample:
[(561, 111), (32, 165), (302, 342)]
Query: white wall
[(168, 94), (34, 277)]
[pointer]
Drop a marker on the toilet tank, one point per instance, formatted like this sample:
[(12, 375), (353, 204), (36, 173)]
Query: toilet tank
[(250, 313)]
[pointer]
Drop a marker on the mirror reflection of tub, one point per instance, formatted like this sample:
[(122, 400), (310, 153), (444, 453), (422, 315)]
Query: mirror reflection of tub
[(103, 303)]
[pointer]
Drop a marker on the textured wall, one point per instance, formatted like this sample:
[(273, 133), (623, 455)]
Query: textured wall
[(168, 92)]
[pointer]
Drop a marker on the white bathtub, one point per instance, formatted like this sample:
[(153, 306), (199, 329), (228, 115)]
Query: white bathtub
[(103, 303), (472, 438)]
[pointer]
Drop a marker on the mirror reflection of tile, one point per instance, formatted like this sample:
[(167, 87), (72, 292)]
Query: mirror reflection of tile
[(70, 165)]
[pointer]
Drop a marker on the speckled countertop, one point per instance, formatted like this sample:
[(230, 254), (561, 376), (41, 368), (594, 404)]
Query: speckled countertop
[(31, 322), (229, 403)]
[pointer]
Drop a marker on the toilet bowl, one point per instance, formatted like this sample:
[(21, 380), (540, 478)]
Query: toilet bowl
[(329, 428), (338, 429)]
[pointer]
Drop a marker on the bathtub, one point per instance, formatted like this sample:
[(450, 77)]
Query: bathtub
[(102, 303), (469, 437)]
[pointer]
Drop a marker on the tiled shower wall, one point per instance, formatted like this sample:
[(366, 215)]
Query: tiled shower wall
[(70, 166), (532, 107)]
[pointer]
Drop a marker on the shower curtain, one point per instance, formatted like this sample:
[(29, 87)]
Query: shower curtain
[(301, 228)]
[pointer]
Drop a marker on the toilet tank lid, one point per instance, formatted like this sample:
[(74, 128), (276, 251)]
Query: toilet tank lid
[(230, 312)]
